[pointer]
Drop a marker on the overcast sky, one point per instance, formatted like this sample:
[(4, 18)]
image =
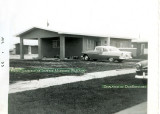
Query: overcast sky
[(124, 18)]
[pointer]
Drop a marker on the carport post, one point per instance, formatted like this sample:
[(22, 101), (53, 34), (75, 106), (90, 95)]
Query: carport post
[(108, 42), (21, 49), (39, 48), (62, 47)]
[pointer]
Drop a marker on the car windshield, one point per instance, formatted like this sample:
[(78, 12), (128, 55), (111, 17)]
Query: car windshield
[(100, 49)]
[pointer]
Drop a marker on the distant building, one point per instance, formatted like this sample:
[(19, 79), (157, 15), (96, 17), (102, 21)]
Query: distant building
[(64, 45), (12, 51), (27, 49), (142, 47)]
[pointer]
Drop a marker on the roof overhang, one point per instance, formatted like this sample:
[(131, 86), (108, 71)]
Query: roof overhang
[(70, 34), (31, 29)]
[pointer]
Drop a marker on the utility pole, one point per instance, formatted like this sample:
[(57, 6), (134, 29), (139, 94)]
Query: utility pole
[(47, 23), (139, 36)]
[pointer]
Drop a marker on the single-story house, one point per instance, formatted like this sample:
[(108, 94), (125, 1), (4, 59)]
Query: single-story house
[(52, 43), (142, 47), (27, 48)]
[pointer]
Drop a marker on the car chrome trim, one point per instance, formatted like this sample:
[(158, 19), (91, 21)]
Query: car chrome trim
[(141, 77)]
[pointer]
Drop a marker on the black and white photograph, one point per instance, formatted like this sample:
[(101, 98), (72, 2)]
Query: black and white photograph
[(79, 57)]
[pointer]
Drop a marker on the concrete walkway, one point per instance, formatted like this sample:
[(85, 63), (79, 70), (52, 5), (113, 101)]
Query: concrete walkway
[(137, 109), (43, 83)]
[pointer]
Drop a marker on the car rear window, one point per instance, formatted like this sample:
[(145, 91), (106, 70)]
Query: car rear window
[(98, 49), (113, 49)]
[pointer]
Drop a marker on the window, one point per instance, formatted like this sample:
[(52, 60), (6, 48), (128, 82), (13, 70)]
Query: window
[(55, 44), (105, 50), (132, 46), (146, 46), (99, 49), (105, 42), (97, 43), (114, 49)]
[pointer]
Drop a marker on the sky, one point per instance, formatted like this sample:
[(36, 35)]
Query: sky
[(122, 18)]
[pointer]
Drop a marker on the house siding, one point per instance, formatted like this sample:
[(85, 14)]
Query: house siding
[(25, 49), (120, 43), (104, 41), (73, 46), (34, 49), (47, 49), (89, 43), (138, 46)]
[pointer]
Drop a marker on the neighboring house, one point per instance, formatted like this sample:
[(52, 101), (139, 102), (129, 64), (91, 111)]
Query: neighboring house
[(27, 49), (12, 51), (142, 47), (52, 43)]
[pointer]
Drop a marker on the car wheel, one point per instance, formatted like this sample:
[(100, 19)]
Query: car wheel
[(86, 58), (111, 59), (119, 61)]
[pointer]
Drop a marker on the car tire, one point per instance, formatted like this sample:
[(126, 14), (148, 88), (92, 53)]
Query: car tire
[(111, 59), (119, 61), (85, 57)]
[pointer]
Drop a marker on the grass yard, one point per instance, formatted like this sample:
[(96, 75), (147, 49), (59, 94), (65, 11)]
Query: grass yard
[(88, 66), (86, 97)]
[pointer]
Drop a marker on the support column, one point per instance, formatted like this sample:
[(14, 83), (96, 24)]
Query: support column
[(108, 42), (39, 48), (62, 47), (83, 44), (21, 49)]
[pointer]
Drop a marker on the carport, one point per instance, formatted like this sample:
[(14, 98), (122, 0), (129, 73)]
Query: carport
[(52, 44)]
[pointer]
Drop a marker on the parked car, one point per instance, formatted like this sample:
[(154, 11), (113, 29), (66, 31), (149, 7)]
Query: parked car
[(106, 53), (142, 70)]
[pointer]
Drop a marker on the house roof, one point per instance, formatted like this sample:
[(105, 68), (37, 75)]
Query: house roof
[(67, 33), (30, 29)]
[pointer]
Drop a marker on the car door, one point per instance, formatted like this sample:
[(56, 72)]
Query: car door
[(98, 53), (105, 53)]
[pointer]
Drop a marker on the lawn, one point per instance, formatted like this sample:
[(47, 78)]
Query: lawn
[(88, 66), (88, 97)]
